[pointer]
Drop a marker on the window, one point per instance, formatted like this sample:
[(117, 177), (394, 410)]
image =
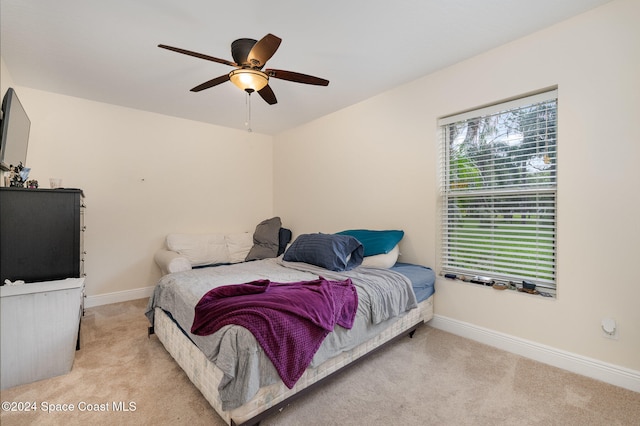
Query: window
[(498, 191)]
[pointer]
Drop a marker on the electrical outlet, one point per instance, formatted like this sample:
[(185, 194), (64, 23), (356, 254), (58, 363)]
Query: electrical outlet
[(609, 328)]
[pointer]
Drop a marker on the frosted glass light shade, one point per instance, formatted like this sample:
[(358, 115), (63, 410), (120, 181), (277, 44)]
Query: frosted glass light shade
[(248, 79)]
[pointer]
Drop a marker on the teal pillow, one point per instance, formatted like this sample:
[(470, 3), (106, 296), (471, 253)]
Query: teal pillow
[(375, 242)]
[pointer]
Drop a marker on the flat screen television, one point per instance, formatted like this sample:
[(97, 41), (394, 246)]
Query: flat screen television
[(15, 131)]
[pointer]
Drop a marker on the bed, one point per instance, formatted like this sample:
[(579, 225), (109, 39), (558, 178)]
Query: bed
[(231, 369)]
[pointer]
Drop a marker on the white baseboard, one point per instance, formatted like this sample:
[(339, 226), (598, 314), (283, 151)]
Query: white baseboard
[(118, 296), (609, 373)]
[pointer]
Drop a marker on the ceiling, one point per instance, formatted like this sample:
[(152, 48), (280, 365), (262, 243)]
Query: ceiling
[(107, 50)]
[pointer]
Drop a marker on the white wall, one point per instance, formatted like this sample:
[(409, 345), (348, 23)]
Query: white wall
[(375, 165), (6, 80), (144, 175)]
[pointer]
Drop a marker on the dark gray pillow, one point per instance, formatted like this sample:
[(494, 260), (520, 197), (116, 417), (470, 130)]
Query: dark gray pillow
[(330, 251), (266, 240), (284, 239)]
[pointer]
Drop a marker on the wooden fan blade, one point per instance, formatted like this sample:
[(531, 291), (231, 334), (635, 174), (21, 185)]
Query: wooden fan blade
[(198, 55), (267, 94), (296, 77), (263, 50), (211, 83)]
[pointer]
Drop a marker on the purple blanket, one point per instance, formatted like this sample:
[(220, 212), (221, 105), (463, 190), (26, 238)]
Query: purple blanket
[(289, 320)]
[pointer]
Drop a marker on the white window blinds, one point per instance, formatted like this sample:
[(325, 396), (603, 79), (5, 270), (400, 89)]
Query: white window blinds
[(498, 191)]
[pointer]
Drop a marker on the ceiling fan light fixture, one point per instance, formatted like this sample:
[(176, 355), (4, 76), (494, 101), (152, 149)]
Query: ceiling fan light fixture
[(249, 79), (250, 57)]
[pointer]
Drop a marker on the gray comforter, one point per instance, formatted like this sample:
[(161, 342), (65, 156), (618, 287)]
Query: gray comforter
[(383, 295)]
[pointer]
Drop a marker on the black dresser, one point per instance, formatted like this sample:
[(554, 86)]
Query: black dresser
[(41, 234)]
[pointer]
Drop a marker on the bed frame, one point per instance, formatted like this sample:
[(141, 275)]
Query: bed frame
[(273, 398)]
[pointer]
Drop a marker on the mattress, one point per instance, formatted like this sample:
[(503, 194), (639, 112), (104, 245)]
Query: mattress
[(206, 376), (422, 278)]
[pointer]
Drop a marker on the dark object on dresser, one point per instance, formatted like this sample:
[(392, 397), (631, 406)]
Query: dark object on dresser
[(40, 234)]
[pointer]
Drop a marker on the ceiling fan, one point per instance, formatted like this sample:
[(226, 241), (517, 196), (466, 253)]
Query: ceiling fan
[(249, 57)]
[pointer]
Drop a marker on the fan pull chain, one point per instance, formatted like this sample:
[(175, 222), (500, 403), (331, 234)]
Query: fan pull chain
[(247, 122)]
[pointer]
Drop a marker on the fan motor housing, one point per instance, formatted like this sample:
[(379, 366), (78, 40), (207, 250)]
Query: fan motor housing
[(240, 49)]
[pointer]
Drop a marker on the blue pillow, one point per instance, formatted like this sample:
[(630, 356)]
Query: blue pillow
[(329, 251), (375, 242)]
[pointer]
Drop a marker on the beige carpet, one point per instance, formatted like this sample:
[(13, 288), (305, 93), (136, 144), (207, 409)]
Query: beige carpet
[(435, 378)]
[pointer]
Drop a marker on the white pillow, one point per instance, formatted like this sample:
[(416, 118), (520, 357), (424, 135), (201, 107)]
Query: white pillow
[(384, 261), (238, 246), (178, 264), (200, 249)]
